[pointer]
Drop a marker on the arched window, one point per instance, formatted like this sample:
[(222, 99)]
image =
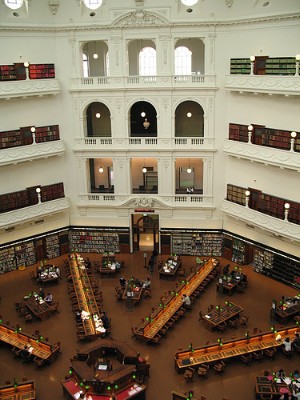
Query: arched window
[(85, 65), (14, 4), (147, 61), (92, 4), (183, 61)]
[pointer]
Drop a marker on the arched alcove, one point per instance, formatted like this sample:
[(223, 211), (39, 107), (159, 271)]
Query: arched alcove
[(143, 120), (98, 120), (189, 120)]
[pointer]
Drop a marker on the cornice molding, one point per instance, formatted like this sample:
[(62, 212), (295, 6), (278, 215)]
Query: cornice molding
[(265, 222), (30, 213), (15, 155), (28, 88), (262, 154), (152, 21)]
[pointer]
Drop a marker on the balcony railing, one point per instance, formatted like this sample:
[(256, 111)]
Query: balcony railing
[(133, 82), (169, 144), (15, 155), (131, 200), (264, 84), (278, 227), (263, 154), (30, 213), (30, 87)]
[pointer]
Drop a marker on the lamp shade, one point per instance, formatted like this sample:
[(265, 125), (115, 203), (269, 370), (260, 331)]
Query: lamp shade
[(189, 3), (144, 170)]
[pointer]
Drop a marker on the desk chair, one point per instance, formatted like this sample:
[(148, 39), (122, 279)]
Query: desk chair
[(270, 353), (244, 320), (189, 374), (221, 327), (219, 367), (246, 359), (258, 355), (203, 370), (234, 323)]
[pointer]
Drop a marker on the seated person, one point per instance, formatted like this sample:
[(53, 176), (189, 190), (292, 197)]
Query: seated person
[(122, 281), (49, 298), (186, 301), (287, 345), (147, 283), (190, 190), (57, 271), (41, 293)]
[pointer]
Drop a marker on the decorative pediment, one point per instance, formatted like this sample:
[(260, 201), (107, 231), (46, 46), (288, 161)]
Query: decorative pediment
[(140, 18), (144, 203)]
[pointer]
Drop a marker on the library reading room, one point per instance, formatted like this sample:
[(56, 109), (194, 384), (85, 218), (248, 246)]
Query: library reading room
[(149, 199)]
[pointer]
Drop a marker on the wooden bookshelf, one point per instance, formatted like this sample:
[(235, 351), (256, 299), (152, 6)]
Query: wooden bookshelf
[(236, 194), (27, 197), (7, 260), (41, 71), (52, 192), (280, 66), (8, 73), (46, 133), (89, 241), (23, 136), (238, 132), (242, 253), (240, 66), (25, 254)]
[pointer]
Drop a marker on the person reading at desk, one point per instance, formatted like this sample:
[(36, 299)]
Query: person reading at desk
[(41, 293), (186, 301), (147, 283), (49, 298), (122, 281)]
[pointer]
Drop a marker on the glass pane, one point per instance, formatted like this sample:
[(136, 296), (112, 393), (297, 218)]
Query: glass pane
[(183, 61)]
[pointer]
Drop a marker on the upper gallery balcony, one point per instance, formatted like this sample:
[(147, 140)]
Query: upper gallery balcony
[(26, 80), (264, 75), (30, 143), (281, 228), (265, 145), (193, 81)]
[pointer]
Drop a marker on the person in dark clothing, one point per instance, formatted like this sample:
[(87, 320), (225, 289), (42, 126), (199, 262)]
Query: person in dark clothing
[(105, 320), (122, 281), (151, 265)]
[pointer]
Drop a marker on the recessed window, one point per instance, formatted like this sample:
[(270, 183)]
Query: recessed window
[(147, 61), (14, 4), (92, 4), (189, 3), (183, 61)]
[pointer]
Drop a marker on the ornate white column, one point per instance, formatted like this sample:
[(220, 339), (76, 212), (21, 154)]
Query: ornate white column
[(164, 55), (210, 54), (117, 59), (83, 175), (207, 176)]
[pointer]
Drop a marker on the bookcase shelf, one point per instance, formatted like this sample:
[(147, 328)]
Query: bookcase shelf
[(7, 260), (23, 136), (41, 71), (89, 241), (263, 261), (27, 197), (52, 246), (236, 194), (238, 132), (241, 252), (240, 66), (197, 243), (25, 254), (280, 66)]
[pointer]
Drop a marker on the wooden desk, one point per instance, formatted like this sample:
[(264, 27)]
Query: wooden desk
[(41, 310), (42, 350), (85, 296), (231, 349), (72, 388), (108, 268), (22, 391), (136, 293), (284, 312), (265, 385), (48, 275), (169, 268), (222, 314), (152, 325)]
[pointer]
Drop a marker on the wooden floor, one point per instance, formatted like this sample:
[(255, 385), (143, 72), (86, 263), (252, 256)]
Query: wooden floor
[(236, 383)]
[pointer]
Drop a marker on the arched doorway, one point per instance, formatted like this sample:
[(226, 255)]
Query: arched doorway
[(145, 230)]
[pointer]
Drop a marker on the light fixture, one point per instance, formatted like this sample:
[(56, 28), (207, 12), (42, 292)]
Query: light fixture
[(250, 130), (101, 168), (144, 169), (38, 191), (98, 115), (247, 194), (95, 55), (32, 129), (189, 114), (189, 3), (252, 58), (26, 64), (189, 169), (293, 137), (93, 4), (286, 211)]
